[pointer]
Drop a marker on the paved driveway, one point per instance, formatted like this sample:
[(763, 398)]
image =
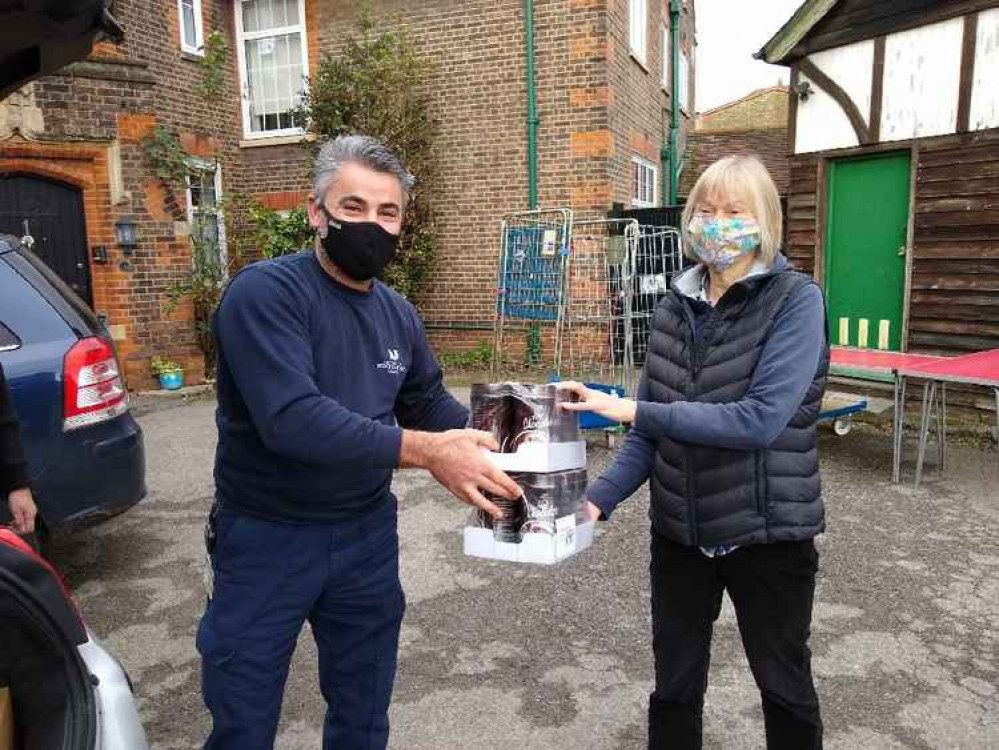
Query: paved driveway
[(499, 656)]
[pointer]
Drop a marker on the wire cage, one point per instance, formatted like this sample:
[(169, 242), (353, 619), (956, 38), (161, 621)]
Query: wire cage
[(657, 258), (530, 293), (596, 340)]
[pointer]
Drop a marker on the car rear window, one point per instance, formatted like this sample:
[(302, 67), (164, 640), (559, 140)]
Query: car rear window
[(8, 340), (76, 304), (29, 316)]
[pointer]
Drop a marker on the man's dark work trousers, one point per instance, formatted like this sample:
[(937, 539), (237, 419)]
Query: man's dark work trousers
[(269, 579)]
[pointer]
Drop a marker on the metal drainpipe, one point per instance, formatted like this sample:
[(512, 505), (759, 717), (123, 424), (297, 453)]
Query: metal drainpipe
[(534, 340), (532, 108), (674, 105), (664, 161)]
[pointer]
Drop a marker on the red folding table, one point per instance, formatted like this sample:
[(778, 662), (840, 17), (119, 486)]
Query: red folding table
[(875, 364), (980, 368)]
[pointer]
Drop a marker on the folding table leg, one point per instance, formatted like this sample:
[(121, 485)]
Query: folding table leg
[(942, 427), (899, 427), (997, 415), (929, 394)]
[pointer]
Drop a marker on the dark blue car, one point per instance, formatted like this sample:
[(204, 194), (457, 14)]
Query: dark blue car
[(85, 452)]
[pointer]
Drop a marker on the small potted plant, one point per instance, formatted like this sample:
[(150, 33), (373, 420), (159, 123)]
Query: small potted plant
[(170, 374)]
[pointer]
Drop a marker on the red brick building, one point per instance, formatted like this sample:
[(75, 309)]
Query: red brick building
[(755, 124), (74, 140)]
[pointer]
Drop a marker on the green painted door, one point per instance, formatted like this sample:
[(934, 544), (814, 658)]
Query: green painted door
[(868, 213)]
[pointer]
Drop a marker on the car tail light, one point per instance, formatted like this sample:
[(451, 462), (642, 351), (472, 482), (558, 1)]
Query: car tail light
[(93, 388)]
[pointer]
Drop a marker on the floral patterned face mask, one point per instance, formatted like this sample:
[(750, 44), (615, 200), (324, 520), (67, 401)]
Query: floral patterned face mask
[(721, 242)]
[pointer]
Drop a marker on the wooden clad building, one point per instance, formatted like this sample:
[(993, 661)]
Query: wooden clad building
[(894, 173)]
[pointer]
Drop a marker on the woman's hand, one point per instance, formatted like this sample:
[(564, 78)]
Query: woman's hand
[(613, 407), (591, 512), (23, 509)]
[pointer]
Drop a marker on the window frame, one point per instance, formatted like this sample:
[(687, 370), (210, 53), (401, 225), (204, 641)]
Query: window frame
[(665, 52), (244, 79), (195, 164), (653, 170), (198, 48), (684, 80), (638, 22)]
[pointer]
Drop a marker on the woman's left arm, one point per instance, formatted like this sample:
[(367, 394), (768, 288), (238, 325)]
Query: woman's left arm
[(780, 381)]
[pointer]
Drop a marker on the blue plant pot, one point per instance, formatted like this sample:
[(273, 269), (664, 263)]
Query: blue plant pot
[(172, 381)]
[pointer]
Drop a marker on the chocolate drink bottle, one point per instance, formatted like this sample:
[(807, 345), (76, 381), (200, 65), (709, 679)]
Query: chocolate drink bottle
[(537, 415), (510, 527), (541, 493), (491, 411)]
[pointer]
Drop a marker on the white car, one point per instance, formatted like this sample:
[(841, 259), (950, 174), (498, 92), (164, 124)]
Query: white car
[(65, 690)]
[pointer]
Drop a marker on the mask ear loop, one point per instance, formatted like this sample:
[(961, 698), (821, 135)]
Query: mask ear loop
[(330, 222)]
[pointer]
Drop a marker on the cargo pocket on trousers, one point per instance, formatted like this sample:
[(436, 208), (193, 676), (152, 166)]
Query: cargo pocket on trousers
[(217, 528), (215, 649)]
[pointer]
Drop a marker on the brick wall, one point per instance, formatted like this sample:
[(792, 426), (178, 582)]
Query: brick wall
[(764, 109), (703, 149), (639, 97), (755, 124)]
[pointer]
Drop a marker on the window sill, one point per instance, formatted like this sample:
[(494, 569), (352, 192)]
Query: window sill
[(196, 57), (277, 140), (638, 61)]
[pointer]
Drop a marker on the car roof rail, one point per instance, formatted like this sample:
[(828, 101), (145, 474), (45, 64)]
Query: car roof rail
[(9, 243)]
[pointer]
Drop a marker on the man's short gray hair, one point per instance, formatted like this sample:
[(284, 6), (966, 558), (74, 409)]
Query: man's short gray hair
[(358, 149)]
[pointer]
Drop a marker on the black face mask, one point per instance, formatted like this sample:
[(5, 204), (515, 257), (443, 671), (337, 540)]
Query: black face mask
[(361, 249)]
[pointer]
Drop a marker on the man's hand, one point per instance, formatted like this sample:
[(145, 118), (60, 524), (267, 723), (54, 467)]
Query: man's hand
[(455, 459), (606, 405), (24, 510)]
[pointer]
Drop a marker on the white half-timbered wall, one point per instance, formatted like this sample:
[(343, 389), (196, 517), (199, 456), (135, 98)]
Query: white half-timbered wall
[(985, 90), (822, 124), (922, 81), (922, 74)]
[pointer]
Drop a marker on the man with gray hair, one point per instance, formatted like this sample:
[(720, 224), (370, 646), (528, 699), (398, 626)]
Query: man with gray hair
[(326, 384)]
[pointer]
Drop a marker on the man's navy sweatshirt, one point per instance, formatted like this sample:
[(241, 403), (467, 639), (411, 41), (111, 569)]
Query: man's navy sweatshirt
[(315, 383)]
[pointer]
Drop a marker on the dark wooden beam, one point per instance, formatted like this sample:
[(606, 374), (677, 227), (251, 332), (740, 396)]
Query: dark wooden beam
[(827, 84), (872, 19), (792, 112), (877, 88), (822, 167), (967, 71)]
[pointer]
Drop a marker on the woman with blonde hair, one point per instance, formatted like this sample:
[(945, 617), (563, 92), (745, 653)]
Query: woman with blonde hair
[(723, 426)]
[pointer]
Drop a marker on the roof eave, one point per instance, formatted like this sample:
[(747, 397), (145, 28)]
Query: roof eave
[(779, 48), (47, 37)]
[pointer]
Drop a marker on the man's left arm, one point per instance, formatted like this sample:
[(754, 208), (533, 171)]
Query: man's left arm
[(423, 402)]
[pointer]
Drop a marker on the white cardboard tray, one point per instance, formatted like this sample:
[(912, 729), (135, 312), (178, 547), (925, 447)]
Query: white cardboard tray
[(542, 458), (544, 549)]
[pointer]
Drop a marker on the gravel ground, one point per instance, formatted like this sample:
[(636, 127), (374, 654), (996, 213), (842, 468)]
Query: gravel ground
[(495, 655)]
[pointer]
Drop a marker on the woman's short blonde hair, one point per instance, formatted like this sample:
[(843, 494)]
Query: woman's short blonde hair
[(742, 178)]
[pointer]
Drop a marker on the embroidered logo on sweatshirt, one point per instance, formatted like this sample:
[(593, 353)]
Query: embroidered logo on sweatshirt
[(392, 364)]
